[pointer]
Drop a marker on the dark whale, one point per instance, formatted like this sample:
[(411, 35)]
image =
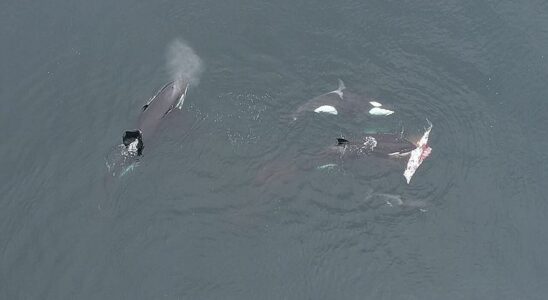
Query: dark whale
[(341, 102), (171, 96), (125, 157), (381, 144), (370, 146)]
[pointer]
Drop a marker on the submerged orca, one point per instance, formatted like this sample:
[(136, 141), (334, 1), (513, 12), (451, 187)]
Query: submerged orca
[(371, 146), (382, 144), (389, 145), (342, 102), (171, 96)]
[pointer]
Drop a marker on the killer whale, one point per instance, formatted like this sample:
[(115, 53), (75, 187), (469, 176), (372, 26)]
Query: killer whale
[(125, 157), (380, 144), (170, 96), (341, 102), (371, 146)]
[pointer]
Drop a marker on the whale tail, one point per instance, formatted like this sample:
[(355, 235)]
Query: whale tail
[(133, 140)]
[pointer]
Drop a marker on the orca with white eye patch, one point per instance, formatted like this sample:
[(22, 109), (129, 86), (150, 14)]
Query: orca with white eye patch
[(344, 103)]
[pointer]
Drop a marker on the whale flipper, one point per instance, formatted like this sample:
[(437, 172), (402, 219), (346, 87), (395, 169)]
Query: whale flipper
[(179, 104)]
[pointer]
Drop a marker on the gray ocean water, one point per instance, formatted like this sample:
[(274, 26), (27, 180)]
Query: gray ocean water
[(194, 222)]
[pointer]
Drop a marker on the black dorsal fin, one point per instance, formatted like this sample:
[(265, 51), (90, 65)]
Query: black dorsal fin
[(341, 141), (145, 107)]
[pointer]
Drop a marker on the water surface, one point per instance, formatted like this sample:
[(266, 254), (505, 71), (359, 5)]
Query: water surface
[(192, 222)]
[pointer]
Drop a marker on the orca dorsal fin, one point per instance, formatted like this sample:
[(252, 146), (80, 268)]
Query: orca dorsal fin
[(341, 86), (341, 141), (340, 89)]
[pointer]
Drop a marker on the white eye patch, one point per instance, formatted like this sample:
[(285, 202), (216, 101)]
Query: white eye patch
[(377, 111), (326, 109)]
